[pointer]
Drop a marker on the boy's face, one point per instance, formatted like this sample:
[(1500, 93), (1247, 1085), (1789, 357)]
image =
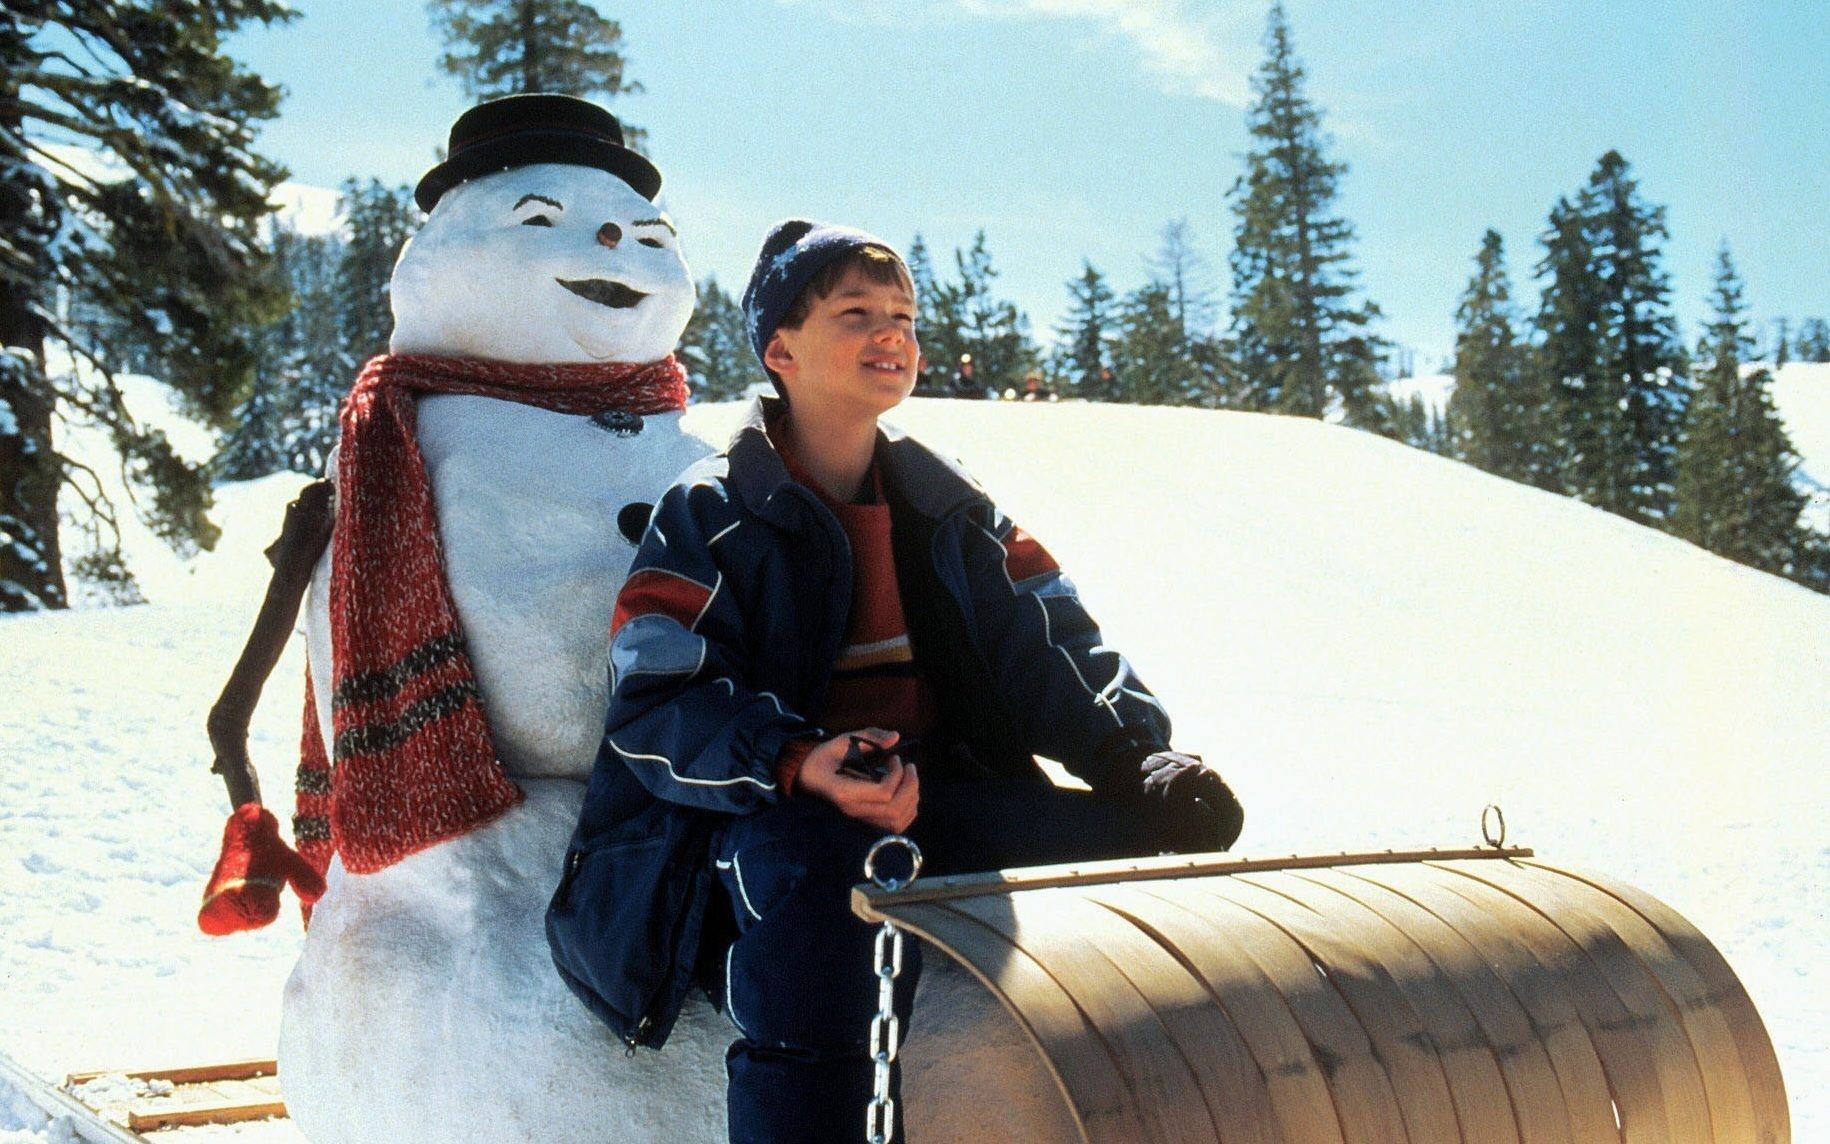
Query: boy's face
[(856, 353)]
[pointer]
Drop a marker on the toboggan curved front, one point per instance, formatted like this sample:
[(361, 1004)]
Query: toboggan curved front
[(1436, 996)]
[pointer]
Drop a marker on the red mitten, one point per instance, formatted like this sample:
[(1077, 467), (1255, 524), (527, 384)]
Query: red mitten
[(244, 889)]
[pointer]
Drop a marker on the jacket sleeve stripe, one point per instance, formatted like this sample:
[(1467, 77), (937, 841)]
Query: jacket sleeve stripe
[(1044, 572), (687, 780), (1024, 557), (658, 591)]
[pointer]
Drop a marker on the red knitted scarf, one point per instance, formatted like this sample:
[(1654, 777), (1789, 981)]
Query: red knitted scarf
[(414, 764)]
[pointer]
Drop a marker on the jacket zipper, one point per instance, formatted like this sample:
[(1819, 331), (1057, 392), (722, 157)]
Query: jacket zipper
[(638, 1036)]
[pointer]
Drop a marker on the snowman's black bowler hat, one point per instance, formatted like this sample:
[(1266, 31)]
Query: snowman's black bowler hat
[(519, 130)]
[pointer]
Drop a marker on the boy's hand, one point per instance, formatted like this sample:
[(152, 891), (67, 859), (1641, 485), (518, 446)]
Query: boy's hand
[(888, 804), (1192, 790)]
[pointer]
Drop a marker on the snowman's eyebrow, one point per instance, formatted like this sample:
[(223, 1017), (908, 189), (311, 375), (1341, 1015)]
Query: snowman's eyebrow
[(657, 222), (526, 199)]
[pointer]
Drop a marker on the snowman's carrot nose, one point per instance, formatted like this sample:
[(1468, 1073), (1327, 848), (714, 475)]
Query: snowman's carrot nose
[(609, 235)]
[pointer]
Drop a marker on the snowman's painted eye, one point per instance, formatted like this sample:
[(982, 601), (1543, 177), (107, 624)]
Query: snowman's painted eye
[(654, 242), (537, 220)]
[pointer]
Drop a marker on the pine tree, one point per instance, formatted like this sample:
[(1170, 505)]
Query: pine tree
[(1735, 493), (315, 367), (1813, 342), (254, 448), (939, 321), (1189, 279), (1148, 352), (1639, 339), (164, 241), (509, 47), (716, 348), (991, 329), (1782, 343), (1301, 344), (377, 223), (1584, 424), (254, 445), (1415, 423), (302, 366), (1498, 409), (1609, 346), (1086, 335)]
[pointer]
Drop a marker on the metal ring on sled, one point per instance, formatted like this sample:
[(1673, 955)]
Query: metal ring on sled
[(1432, 996)]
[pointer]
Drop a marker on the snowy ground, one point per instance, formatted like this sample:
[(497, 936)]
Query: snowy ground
[(1370, 641)]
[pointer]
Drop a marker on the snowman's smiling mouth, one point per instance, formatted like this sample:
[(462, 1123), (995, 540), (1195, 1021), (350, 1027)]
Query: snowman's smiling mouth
[(603, 291)]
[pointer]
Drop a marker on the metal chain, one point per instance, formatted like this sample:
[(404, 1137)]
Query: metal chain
[(886, 1028)]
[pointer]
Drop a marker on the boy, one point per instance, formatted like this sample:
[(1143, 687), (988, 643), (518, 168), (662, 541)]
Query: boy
[(826, 588)]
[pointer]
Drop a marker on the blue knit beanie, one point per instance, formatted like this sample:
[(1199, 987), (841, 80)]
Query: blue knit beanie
[(794, 252)]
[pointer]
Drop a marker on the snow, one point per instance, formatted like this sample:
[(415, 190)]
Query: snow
[(1801, 392), (1370, 641), (1434, 388), (307, 209), (160, 572)]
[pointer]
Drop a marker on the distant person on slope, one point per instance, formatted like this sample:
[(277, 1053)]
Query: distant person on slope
[(803, 609), (965, 383)]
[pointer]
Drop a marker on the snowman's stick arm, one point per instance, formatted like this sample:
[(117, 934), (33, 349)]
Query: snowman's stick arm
[(302, 540)]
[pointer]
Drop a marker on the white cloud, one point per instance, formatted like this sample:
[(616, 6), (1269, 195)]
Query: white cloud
[(1202, 54), (1190, 49)]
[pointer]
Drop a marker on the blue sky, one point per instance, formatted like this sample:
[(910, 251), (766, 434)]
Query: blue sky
[(1073, 129)]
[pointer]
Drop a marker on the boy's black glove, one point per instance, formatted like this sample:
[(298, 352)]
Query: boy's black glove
[(1194, 795)]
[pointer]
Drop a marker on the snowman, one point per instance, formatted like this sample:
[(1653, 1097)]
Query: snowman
[(495, 468)]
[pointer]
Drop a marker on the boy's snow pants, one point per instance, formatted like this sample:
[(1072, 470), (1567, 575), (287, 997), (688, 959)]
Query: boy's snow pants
[(799, 979)]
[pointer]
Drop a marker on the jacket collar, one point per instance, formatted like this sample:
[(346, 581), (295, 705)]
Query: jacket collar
[(931, 484)]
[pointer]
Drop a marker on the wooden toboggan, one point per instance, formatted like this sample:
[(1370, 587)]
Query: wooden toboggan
[(1435, 996)]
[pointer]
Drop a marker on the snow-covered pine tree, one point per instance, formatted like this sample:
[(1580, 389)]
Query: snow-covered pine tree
[(1735, 466), (1084, 351), (1781, 351), (991, 329), (289, 418), (716, 349), (126, 165), (1301, 342), (314, 365), (255, 446), (1498, 410), (377, 221), (511, 47)]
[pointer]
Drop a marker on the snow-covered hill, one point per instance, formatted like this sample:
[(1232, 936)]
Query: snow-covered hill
[(1371, 642)]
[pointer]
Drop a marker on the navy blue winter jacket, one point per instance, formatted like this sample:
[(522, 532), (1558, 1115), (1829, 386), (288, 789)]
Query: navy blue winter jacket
[(723, 643)]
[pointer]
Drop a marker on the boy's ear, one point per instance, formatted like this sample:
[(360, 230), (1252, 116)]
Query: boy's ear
[(776, 355)]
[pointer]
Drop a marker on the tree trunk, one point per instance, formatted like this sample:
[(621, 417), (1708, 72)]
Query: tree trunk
[(31, 565)]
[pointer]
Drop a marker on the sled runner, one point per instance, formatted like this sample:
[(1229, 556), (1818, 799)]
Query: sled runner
[(1472, 995)]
